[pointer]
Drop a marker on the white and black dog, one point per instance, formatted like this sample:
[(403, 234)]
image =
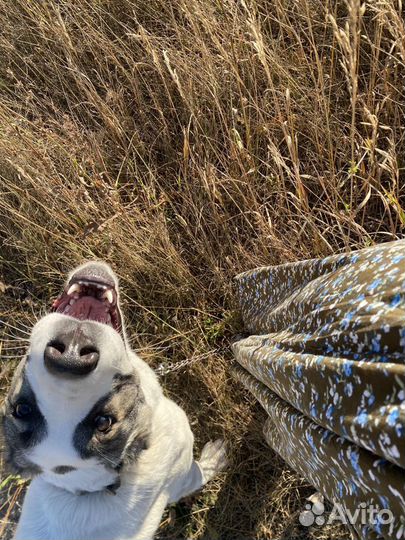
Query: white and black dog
[(87, 419)]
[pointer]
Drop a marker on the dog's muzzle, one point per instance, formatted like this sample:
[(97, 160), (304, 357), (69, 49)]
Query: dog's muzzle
[(71, 353)]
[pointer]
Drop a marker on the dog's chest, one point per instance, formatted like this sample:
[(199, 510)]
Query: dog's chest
[(92, 516)]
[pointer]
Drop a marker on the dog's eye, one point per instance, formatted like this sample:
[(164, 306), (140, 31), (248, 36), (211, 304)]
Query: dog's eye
[(103, 423), (22, 410)]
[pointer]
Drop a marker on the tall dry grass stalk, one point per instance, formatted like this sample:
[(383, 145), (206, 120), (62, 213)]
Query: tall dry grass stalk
[(184, 142)]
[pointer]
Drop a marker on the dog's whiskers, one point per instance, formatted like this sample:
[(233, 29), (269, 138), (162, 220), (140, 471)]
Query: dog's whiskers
[(106, 457)]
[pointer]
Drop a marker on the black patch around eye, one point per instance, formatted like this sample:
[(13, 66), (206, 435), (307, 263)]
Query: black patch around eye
[(89, 442), (103, 423), (27, 437), (22, 433), (16, 463), (22, 410), (120, 380), (27, 429)]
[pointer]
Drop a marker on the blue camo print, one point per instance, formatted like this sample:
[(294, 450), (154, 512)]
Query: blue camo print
[(326, 359)]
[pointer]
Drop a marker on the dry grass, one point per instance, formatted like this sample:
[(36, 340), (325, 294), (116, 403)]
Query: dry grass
[(185, 141)]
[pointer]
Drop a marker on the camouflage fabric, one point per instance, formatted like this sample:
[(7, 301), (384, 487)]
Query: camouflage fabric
[(326, 359)]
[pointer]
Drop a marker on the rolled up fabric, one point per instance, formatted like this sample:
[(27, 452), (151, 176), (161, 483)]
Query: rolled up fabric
[(327, 362)]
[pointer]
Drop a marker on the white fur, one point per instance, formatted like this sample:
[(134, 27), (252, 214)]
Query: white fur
[(163, 473)]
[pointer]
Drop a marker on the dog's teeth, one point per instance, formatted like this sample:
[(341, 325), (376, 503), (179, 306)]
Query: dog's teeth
[(109, 296), (73, 288)]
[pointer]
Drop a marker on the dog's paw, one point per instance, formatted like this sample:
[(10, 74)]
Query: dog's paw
[(213, 459)]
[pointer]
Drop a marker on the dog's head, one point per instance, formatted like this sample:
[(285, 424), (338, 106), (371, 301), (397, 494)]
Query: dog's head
[(75, 412)]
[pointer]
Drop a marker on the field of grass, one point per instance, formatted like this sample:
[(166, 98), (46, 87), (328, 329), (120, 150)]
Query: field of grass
[(185, 141)]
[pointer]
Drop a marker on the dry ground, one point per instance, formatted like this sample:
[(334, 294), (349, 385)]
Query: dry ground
[(185, 141)]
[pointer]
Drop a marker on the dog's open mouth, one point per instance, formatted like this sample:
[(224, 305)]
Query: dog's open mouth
[(89, 300)]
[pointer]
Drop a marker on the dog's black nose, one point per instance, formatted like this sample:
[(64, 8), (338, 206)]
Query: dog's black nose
[(71, 353)]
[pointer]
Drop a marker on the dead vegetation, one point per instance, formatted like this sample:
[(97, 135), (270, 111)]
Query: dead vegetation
[(184, 142)]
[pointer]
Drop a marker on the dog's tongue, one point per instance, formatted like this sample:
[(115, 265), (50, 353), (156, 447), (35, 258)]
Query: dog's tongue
[(88, 308)]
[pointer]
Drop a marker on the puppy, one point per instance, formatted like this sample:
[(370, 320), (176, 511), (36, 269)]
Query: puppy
[(87, 419)]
